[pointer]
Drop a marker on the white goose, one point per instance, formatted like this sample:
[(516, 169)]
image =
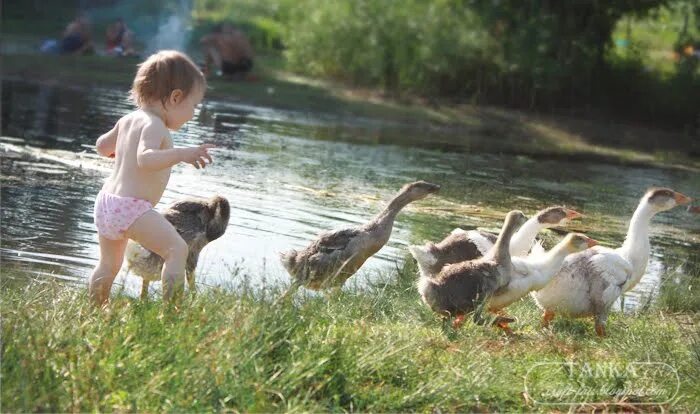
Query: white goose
[(535, 271), (589, 282), (463, 245)]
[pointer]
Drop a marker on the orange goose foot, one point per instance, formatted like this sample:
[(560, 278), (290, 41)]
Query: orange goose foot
[(459, 321), (547, 317)]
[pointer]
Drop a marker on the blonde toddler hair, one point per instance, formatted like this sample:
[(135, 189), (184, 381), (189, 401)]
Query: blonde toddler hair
[(161, 74)]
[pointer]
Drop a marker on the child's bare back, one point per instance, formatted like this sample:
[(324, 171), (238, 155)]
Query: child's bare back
[(128, 178)]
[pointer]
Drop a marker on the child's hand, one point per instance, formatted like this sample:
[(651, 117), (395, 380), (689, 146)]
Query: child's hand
[(197, 155)]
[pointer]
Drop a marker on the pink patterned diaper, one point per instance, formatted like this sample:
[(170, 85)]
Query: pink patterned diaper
[(115, 214)]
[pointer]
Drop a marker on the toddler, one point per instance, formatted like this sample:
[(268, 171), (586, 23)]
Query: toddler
[(167, 87)]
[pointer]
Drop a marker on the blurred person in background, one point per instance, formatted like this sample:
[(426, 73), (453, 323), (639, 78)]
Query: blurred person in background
[(227, 52), (119, 39), (77, 38)]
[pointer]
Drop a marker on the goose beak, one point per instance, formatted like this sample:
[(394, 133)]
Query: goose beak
[(682, 199), (434, 188), (573, 214), (592, 242)]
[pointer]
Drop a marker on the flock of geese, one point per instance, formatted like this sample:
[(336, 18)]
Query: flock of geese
[(468, 272)]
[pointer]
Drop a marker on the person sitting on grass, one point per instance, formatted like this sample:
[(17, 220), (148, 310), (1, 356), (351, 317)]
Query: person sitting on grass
[(77, 38), (119, 39), (227, 51), (167, 88)]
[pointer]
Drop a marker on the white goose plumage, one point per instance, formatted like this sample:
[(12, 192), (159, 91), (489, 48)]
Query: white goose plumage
[(589, 282)]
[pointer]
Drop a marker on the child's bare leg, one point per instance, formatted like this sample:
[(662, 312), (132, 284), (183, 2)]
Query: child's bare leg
[(156, 234), (111, 257)]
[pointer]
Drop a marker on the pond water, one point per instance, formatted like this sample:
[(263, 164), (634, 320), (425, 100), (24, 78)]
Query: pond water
[(289, 175)]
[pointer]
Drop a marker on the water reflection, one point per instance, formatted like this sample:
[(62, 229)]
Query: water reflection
[(289, 175)]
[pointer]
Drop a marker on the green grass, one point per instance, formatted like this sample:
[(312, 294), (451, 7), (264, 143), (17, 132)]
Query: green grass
[(374, 350), (681, 291)]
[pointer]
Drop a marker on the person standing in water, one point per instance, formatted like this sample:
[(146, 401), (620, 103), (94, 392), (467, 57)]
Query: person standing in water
[(167, 88)]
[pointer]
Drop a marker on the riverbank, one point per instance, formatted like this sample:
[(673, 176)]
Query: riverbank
[(504, 131), (377, 350)]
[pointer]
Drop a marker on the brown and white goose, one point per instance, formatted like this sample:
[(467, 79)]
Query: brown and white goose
[(463, 245), (336, 255), (460, 288), (590, 281), (535, 271), (198, 221)]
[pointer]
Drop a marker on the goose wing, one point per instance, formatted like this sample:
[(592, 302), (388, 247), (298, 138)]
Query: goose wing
[(188, 218), (483, 240), (614, 268), (522, 267), (329, 251), (537, 249), (324, 259), (330, 242), (521, 274)]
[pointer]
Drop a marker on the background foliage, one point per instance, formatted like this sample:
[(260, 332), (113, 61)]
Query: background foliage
[(602, 57), (617, 58)]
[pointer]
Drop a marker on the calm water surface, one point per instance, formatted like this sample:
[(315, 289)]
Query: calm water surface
[(289, 175)]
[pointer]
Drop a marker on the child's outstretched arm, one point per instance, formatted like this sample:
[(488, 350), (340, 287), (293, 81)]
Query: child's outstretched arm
[(107, 142), (150, 157)]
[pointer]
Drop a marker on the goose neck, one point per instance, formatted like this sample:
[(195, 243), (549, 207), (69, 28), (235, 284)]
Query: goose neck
[(522, 240), (637, 239), (393, 208)]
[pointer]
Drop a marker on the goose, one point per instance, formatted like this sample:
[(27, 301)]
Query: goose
[(462, 287), (336, 255), (198, 221), (534, 272), (461, 245), (589, 282)]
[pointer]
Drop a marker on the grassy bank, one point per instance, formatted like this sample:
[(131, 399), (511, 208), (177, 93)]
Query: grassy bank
[(376, 350), (462, 127)]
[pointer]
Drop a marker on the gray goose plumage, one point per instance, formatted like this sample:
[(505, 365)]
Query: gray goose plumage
[(198, 221), (460, 288), (336, 255), (461, 245)]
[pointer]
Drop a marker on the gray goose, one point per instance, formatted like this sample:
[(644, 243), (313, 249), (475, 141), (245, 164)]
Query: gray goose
[(336, 255), (460, 288), (198, 221), (461, 245)]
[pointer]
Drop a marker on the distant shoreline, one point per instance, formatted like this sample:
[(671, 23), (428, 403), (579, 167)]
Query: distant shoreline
[(509, 131)]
